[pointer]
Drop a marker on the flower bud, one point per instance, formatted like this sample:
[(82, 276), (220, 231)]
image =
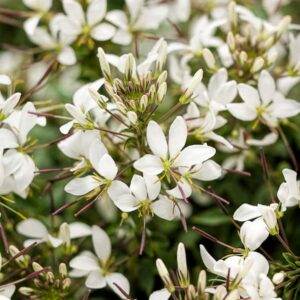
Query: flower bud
[(231, 41), (162, 56), (26, 291), (66, 283), (209, 58), (132, 117), (182, 266), (257, 65), (99, 99), (143, 103), (130, 67), (164, 275), (195, 82), (232, 15), (64, 234), (278, 277), (104, 65), (162, 78), (63, 270), (283, 26), (243, 57), (37, 267), (50, 277), (201, 282), (162, 90)]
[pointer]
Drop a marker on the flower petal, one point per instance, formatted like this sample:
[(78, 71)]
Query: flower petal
[(162, 294), (149, 164), (96, 11), (153, 186), (107, 167), (81, 186), (242, 111), (177, 136), (103, 32), (138, 187), (121, 281), (249, 94), (32, 228), (157, 140), (266, 86), (101, 243), (95, 280), (246, 212)]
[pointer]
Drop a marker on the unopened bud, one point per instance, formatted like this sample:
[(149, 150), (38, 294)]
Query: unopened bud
[(99, 99), (132, 117), (26, 291), (64, 234), (232, 15), (164, 275), (143, 103), (162, 90), (283, 26), (209, 58), (231, 41), (243, 57), (66, 283), (37, 267), (278, 277), (257, 65), (201, 282), (272, 58), (182, 266), (50, 277), (104, 65), (162, 56), (63, 270), (162, 78), (194, 84), (130, 67)]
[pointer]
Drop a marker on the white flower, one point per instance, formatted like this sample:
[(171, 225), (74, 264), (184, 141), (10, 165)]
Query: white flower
[(247, 271), (77, 146), (289, 191), (219, 92), (171, 155), (96, 267), (55, 41), (76, 23), (268, 105), (140, 18), (41, 7), (37, 232), (103, 164), (266, 213), (142, 196), (204, 126), (84, 108)]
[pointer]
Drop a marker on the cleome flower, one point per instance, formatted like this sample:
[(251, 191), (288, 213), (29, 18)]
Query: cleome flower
[(170, 158), (265, 105), (99, 268), (142, 195), (37, 232), (76, 23)]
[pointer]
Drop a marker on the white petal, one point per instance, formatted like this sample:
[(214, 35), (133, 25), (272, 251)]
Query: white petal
[(81, 186), (242, 111), (177, 136), (226, 93), (7, 139), (117, 189), (31, 24), (84, 262), (153, 186), (134, 7), (253, 233), (65, 129), (249, 95), (121, 281), (126, 203), (4, 79), (246, 212), (79, 229), (32, 228), (7, 292), (163, 294), (266, 86), (107, 167), (74, 10), (207, 259), (285, 109), (95, 280), (96, 152), (138, 187), (122, 37), (55, 242), (195, 154), (165, 208), (67, 56), (117, 18), (39, 5), (10, 103), (157, 140), (268, 139), (96, 11), (217, 80), (209, 170), (101, 243), (149, 164), (181, 191), (103, 32)]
